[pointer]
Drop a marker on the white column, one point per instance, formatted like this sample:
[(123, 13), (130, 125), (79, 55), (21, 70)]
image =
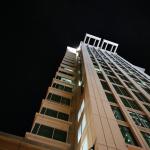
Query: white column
[(94, 42), (112, 48), (115, 49), (88, 40)]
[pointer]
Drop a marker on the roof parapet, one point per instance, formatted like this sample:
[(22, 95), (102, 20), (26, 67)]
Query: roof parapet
[(96, 42)]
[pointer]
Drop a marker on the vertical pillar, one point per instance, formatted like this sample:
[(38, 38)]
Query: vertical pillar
[(98, 43), (115, 49), (94, 42), (85, 39), (89, 40), (112, 48)]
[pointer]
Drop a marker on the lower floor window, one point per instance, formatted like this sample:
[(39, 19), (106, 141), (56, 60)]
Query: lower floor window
[(128, 136), (146, 137), (50, 132)]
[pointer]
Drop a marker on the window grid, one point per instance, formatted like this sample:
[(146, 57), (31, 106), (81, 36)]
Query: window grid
[(58, 99)]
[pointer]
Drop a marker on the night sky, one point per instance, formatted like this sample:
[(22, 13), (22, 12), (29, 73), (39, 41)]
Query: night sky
[(34, 38)]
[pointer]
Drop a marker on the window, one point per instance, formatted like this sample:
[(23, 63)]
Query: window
[(63, 63), (84, 145), (80, 110), (121, 90), (68, 89), (117, 113), (100, 75), (148, 107), (140, 120), (81, 127), (50, 112), (45, 131), (50, 132), (114, 80), (66, 73), (105, 85), (118, 71), (105, 67), (130, 85), (141, 97), (62, 87), (110, 97), (60, 135), (36, 128), (147, 90), (128, 136), (58, 99), (79, 133), (54, 113), (68, 69), (65, 101), (64, 79), (108, 72), (146, 137), (123, 77), (130, 103), (63, 116)]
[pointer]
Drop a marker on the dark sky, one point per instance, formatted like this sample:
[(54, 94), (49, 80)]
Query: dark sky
[(34, 38)]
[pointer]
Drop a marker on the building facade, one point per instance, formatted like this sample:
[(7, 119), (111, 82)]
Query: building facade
[(96, 101)]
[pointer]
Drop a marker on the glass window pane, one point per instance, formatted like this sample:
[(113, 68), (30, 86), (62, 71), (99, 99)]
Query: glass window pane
[(134, 105), (148, 107), (68, 89), (124, 91), (105, 86), (117, 113), (140, 120), (56, 98), (45, 131), (63, 116), (100, 75), (79, 133), (141, 97), (85, 144), (117, 89), (83, 123), (36, 127), (59, 86), (65, 101), (49, 95), (128, 136), (125, 102), (60, 135), (51, 113), (146, 137), (110, 97), (43, 110)]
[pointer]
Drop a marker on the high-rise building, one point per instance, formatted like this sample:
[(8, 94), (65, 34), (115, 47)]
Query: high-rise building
[(96, 101)]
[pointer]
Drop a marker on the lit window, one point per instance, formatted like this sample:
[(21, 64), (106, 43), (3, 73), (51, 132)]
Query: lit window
[(79, 133), (81, 127), (83, 123), (68, 69), (85, 144), (80, 110)]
